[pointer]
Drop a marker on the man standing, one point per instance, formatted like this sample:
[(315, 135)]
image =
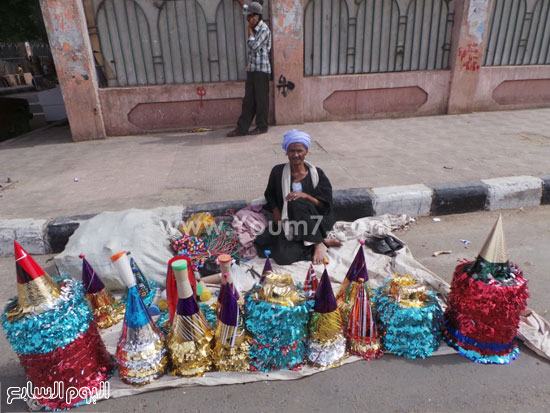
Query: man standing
[(256, 96)]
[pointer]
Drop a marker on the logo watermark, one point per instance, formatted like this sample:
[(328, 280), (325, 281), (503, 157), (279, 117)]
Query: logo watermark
[(58, 392), (256, 227)]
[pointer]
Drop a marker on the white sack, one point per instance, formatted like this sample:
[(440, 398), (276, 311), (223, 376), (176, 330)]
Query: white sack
[(145, 233)]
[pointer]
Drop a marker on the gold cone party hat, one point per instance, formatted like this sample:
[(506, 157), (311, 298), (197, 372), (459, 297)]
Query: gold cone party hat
[(493, 260)]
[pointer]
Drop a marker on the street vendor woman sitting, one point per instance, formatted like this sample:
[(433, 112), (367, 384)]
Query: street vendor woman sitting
[(299, 196)]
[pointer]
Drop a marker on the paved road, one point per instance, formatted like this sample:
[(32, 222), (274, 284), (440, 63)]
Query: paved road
[(391, 384), (175, 169)]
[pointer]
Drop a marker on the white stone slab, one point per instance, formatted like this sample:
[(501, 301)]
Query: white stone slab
[(30, 233), (513, 192), (413, 200)]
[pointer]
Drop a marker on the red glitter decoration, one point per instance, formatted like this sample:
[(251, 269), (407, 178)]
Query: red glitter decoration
[(486, 312), (84, 363)]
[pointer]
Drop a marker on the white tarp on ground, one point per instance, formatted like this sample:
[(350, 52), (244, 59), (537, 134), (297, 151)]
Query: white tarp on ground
[(534, 330)]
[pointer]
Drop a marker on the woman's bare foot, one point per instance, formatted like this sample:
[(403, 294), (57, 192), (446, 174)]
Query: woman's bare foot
[(319, 253), (333, 242)]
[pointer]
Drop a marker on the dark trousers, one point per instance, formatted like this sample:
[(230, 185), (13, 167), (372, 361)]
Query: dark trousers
[(286, 252), (255, 101)]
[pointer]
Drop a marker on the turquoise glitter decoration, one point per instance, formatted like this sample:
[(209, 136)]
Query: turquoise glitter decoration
[(209, 314), (408, 331), (278, 333), (40, 333), (163, 322)]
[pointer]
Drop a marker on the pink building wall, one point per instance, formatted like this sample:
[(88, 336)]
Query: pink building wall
[(95, 113)]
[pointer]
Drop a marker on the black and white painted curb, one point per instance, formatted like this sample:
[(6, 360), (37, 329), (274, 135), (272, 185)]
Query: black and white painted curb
[(39, 236)]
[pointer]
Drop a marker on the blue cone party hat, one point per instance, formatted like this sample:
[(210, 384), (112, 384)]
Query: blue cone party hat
[(190, 335), (327, 345), (140, 354), (147, 288)]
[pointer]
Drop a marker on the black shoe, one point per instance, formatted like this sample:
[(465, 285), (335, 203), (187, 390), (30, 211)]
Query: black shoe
[(379, 246), (257, 131), (393, 243), (234, 133)]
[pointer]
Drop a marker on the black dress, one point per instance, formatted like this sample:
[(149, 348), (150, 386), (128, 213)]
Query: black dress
[(311, 223)]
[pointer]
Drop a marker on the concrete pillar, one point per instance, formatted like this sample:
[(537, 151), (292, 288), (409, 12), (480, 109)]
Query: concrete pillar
[(72, 53), (287, 18), (470, 34)]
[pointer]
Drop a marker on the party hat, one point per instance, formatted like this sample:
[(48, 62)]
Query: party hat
[(311, 283), (189, 339), (226, 278), (147, 289), (361, 328), (140, 354), (267, 266), (277, 315), (36, 291), (485, 304), (107, 311), (357, 269), (171, 289), (492, 260), (410, 317), (231, 343), (327, 345), (346, 294), (55, 337)]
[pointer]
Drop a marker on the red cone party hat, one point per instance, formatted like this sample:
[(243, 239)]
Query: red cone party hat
[(36, 290)]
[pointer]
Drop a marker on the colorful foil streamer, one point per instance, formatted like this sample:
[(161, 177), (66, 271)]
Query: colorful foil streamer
[(361, 329), (40, 333), (277, 320), (107, 311), (483, 316), (327, 353), (408, 330), (84, 363)]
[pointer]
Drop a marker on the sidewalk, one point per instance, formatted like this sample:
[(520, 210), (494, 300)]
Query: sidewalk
[(53, 177)]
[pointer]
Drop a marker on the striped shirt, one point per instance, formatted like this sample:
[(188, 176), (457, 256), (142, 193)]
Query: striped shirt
[(259, 45)]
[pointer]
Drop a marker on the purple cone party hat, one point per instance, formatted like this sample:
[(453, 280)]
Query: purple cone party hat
[(140, 354), (346, 294), (327, 345), (485, 302), (267, 266), (51, 329), (107, 311), (231, 348), (226, 279), (311, 282), (190, 335), (361, 330), (147, 289)]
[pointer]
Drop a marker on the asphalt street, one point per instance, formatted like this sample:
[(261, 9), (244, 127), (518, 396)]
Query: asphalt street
[(391, 384)]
